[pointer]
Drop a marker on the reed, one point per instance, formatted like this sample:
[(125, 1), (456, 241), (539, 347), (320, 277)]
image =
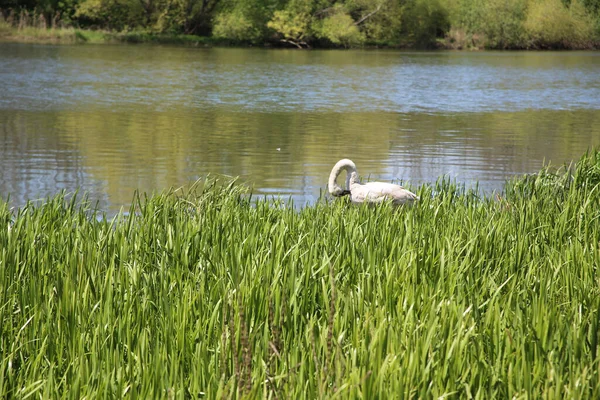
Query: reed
[(206, 292), (35, 27)]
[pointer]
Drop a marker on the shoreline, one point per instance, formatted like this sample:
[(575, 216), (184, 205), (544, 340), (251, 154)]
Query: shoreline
[(71, 36)]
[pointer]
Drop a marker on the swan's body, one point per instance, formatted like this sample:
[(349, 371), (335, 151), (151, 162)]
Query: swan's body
[(371, 192)]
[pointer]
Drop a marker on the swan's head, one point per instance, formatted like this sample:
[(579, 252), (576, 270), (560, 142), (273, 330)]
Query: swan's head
[(338, 191)]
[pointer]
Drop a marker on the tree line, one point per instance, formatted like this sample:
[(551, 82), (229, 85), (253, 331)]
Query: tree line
[(496, 24)]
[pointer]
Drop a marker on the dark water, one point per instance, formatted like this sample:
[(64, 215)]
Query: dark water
[(112, 119)]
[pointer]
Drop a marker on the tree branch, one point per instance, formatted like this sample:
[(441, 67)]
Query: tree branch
[(363, 19), (323, 11), (297, 44)]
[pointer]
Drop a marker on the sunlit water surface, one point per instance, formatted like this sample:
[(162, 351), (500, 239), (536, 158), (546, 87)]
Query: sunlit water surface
[(108, 119)]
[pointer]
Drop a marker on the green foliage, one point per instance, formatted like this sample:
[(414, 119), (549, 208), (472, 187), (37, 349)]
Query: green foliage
[(593, 7), (384, 24), (63, 9), (425, 21), (498, 24), (293, 27), (186, 16), (243, 20), (552, 25), (206, 293), (293, 23), (465, 14), (235, 26), (502, 23), (338, 28), (112, 14)]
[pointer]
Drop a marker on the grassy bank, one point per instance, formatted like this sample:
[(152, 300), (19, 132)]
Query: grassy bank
[(60, 35), (207, 293)]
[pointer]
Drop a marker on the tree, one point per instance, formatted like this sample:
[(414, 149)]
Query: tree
[(550, 24), (111, 14), (381, 21), (293, 27), (425, 21), (187, 16), (339, 23), (244, 20), (338, 27)]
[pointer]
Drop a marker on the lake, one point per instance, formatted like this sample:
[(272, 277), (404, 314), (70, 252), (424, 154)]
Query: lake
[(110, 119)]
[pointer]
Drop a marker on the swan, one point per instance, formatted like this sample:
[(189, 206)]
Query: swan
[(371, 192)]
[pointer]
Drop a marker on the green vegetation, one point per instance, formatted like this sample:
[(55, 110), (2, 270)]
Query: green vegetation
[(494, 24), (35, 29), (206, 292)]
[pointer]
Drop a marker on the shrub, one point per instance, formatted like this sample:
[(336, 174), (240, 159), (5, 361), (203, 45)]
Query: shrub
[(425, 21), (385, 25), (550, 24), (502, 23), (492, 23), (291, 26), (112, 14), (242, 20), (339, 29), (235, 26)]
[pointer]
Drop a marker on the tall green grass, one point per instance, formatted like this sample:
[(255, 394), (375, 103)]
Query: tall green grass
[(207, 293)]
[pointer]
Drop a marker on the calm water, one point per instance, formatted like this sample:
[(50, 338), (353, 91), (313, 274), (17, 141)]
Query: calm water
[(112, 119)]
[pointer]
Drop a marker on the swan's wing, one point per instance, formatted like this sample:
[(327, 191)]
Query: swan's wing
[(372, 192), (379, 191)]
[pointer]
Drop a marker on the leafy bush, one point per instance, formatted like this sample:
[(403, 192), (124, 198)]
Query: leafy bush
[(112, 14), (502, 23), (384, 24), (293, 27), (339, 29), (235, 26), (424, 21), (552, 25), (243, 21), (491, 23)]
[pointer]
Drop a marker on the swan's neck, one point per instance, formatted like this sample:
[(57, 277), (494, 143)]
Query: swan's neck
[(334, 188)]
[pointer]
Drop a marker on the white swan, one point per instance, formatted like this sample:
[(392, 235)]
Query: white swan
[(371, 192)]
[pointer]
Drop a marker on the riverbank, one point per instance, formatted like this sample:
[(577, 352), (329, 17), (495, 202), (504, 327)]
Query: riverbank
[(456, 40), (74, 36), (207, 293), (415, 24), (79, 36)]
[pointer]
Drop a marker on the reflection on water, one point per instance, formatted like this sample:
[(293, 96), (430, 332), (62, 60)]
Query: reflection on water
[(112, 119)]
